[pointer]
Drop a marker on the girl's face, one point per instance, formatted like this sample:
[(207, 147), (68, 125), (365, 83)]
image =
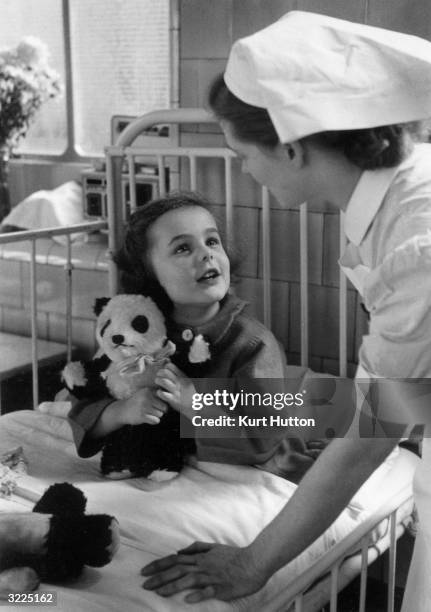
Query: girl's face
[(189, 261), (271, 167)]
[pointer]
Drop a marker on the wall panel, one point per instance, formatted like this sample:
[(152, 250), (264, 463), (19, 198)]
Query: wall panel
[(196, 76), (353, 10), (205, 28), (285, 246), (248, 16), (410, 16), (323, 321)]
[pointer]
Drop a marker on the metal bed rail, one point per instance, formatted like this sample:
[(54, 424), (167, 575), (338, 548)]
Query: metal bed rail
[(33, 236), (358, 540)]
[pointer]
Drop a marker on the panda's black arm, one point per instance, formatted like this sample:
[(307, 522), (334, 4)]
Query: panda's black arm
[(95, 386)]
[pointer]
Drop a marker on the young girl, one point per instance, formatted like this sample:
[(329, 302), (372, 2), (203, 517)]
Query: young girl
[(173, 252)]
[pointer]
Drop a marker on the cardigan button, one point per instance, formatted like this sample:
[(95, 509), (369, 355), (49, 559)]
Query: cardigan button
[(187, 335)]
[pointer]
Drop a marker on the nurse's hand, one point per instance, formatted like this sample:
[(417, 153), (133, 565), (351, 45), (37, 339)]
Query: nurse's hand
[(208, 570)]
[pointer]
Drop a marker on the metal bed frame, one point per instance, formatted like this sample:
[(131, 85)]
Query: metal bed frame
[(32, 237), (359, 539)]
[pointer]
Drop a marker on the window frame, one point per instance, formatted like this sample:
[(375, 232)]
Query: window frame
[(71, 152)]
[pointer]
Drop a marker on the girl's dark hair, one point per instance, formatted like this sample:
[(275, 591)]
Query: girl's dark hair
[(132, 258), (379, 147)]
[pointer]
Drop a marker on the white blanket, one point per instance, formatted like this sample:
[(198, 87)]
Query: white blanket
[(208, 501)]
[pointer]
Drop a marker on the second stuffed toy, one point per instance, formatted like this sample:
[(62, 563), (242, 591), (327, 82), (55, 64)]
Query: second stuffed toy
[(54, 542)]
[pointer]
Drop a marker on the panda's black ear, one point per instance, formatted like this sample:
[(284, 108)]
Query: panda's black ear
[(100, 304)]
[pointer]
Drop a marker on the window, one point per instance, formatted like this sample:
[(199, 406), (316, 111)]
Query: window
[(114, 55), (19, 18)]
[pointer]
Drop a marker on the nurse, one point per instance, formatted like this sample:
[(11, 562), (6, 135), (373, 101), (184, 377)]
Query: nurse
[(327, 111)]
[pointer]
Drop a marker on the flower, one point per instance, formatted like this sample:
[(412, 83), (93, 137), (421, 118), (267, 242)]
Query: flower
[(32, 52), (26, 82)]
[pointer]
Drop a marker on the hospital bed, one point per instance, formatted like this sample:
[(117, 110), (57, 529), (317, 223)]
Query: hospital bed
[(208, 501)]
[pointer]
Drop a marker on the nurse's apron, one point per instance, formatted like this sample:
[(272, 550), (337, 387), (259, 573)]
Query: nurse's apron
[(417, 596)]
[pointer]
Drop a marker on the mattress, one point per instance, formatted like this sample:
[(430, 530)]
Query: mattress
[(208, 502)]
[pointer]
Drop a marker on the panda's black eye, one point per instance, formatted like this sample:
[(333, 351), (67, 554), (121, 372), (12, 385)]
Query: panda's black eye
[(140, 324), (102, 331)]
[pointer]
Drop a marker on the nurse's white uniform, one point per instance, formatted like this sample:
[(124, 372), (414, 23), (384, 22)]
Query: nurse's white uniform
[(417, 596), (379, 270)]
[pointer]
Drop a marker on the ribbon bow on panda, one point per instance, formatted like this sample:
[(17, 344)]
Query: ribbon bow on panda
[(138, 363)]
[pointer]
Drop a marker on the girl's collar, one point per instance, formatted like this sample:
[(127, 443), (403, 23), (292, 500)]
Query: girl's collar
[(214, 329)]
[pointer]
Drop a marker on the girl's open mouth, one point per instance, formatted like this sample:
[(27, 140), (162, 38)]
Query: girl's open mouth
[(209, 275)]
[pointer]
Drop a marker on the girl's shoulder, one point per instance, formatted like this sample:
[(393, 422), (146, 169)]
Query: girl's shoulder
[(253, 331), (254, 349)]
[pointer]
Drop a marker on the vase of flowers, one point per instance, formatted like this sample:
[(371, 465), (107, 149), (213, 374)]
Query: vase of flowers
[(26, 82)]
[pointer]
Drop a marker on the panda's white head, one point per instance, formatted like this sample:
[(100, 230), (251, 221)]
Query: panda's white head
[(129, 325)]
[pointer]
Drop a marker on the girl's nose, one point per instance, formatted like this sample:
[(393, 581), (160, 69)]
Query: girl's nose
[(205, 254)]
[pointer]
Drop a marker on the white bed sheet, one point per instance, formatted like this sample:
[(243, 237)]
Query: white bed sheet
[(208, 501)]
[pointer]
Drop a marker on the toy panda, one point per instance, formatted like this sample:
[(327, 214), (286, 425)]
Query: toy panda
[(133, 346), (54, 542)]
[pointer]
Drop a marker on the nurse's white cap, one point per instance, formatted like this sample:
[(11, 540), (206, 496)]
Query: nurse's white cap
[(315, 73)]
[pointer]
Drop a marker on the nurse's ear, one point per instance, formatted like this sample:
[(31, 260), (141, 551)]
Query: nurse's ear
[(295, 153)]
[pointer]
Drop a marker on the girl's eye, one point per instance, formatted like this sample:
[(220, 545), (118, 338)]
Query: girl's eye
[(213, 241), (182, 248)]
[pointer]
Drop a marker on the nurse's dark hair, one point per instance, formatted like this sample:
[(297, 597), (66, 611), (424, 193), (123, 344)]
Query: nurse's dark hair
[(378, 147), (133, 258)]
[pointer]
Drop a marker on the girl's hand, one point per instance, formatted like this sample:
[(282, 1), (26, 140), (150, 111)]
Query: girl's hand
[(176, 389), (142, 407)]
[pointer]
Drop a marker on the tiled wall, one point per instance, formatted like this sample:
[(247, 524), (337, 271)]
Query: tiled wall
[(207, 30)]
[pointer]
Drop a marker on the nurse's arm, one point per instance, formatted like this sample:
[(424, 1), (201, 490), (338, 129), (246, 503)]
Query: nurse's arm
[(323, 493), (225, 572), (336, 475)]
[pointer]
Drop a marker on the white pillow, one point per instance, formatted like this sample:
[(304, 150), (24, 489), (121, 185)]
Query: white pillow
[(43, 209)]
